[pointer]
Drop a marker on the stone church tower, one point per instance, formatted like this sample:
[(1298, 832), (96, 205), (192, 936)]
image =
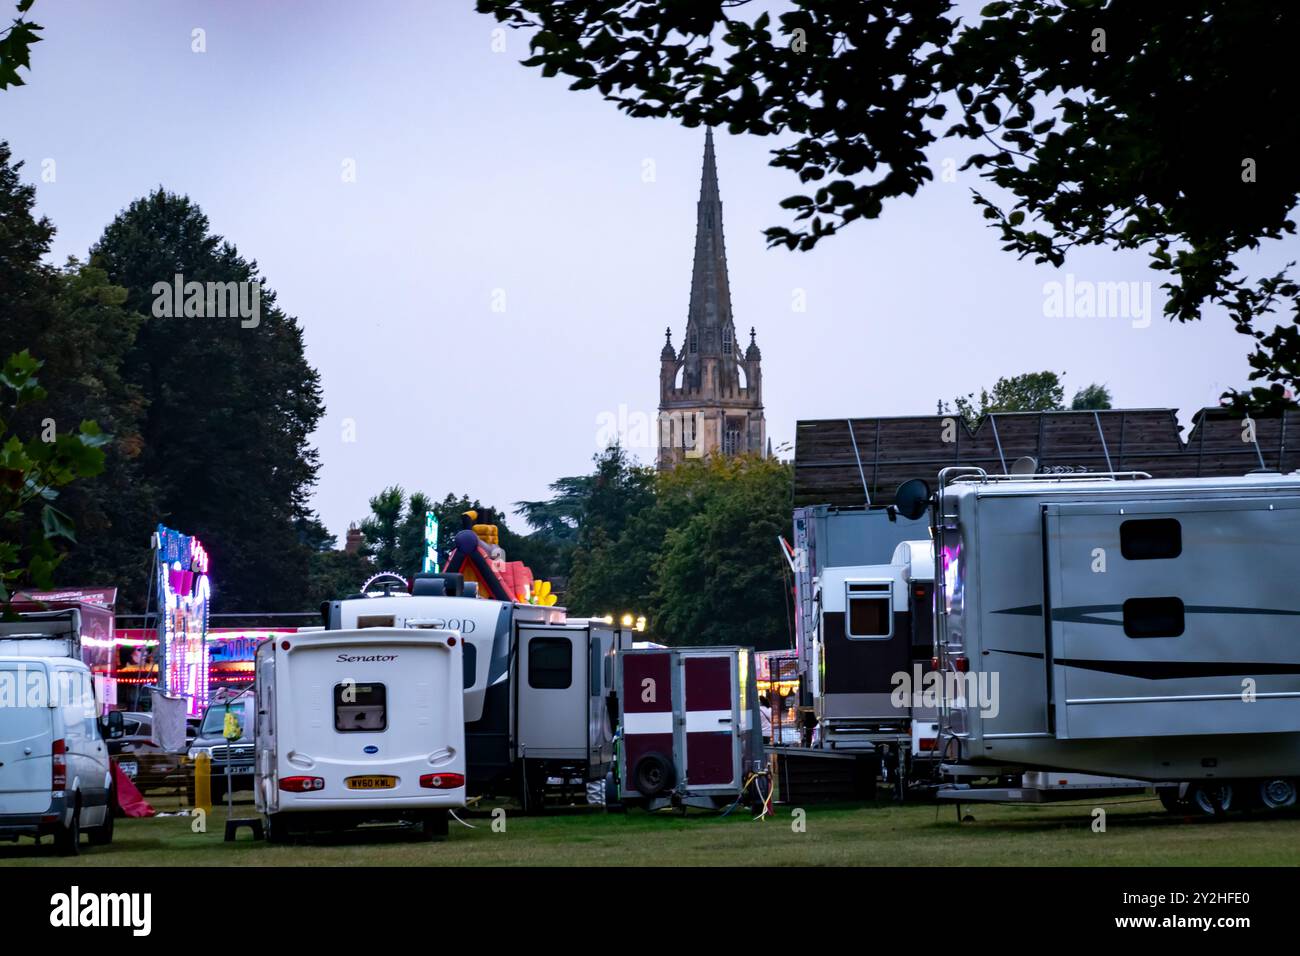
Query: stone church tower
[(710, 393)]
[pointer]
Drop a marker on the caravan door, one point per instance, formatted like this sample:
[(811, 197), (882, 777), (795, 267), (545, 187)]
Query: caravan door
[(709, 696), (1167, 615), (553, 692)]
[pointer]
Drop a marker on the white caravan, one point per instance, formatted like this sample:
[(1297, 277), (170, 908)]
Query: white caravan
[(55, 778), (541, 701), (359, 726), (1123, 625)]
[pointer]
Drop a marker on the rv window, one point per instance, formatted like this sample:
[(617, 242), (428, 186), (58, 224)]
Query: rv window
[(1153, 617), (1150, 539), (360, 707), (469, 655), (550, 663), (870, 617)]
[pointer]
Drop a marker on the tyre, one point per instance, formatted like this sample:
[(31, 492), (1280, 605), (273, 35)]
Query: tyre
[(277, 828), (612, 802), (437, 825), (67, 839), (1277, 793), (1170, 800), (1211, 798), (102, 835), (653, 775)]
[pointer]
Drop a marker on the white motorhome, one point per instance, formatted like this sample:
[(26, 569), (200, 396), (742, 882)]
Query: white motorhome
[(55, 777), (540, 696), (871, 646), (1123, 625), (359, 726)]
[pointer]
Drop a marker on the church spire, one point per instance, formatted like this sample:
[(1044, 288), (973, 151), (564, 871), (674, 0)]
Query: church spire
[(709, 328)]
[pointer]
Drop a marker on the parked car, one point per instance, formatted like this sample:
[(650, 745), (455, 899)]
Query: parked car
[(237, 753), (139, 756), (54, 762)]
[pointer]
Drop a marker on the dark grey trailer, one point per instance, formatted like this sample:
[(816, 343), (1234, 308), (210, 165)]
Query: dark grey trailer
[(1121, 625)]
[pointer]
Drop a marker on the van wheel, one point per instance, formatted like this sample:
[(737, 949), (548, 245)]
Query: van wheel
[(102, 835), (67, 840), (1212, 799), (437, 825), (1277, 794)]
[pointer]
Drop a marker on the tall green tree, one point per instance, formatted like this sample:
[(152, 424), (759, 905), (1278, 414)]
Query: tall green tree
[(1030, 392), (382, 529), (1092, 397), (719, 578), (1160, 127), (230, 405), (31, 473)]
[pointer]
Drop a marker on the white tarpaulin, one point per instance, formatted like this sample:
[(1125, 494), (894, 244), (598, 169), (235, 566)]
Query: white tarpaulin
[(169, 722)]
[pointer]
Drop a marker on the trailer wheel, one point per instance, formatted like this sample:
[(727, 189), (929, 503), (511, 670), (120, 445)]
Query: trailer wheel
[(437, 825), (1277, 793), (653, 774), (1211, 799)]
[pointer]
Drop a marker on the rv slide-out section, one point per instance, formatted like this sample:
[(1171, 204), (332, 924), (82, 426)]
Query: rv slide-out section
[(360, 725), (1142, 628)]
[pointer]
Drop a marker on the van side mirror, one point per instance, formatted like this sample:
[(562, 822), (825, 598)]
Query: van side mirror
[(112, 725)]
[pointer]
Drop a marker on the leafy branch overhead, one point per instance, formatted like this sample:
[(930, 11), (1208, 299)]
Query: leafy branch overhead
[(31, 472), (1120, 123), (16, 46)]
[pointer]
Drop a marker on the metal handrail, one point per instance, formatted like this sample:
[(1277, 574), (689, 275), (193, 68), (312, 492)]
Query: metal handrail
[(1066, 476)]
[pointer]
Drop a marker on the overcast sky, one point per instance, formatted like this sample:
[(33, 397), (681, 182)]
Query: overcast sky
[(495, 284)]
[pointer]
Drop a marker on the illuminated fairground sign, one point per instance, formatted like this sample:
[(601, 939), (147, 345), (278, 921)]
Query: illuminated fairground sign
[(183, 590)]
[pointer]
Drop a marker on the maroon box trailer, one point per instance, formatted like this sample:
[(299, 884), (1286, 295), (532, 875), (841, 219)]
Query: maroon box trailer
[(691, 729)]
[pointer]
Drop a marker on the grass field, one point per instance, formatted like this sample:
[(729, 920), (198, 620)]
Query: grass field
[(1138, 833)]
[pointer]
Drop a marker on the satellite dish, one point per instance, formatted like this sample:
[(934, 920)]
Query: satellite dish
[(912, 499), (1027, 465)]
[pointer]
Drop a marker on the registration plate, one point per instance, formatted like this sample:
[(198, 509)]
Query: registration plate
[(371, 783), (131, 769)]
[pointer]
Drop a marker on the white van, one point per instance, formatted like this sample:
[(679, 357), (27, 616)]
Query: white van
[(359, 726), (55, 778)]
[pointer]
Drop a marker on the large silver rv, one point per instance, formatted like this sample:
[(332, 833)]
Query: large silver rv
[(540, 695), (1122, 625)]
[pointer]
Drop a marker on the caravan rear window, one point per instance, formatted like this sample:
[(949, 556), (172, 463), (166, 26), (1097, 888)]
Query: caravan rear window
[(360, 707)]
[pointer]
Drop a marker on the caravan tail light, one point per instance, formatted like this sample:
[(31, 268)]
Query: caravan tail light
[(59, 772), (934, 663), (962, 664), (442, 781), (927, 743), (301, 784)]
